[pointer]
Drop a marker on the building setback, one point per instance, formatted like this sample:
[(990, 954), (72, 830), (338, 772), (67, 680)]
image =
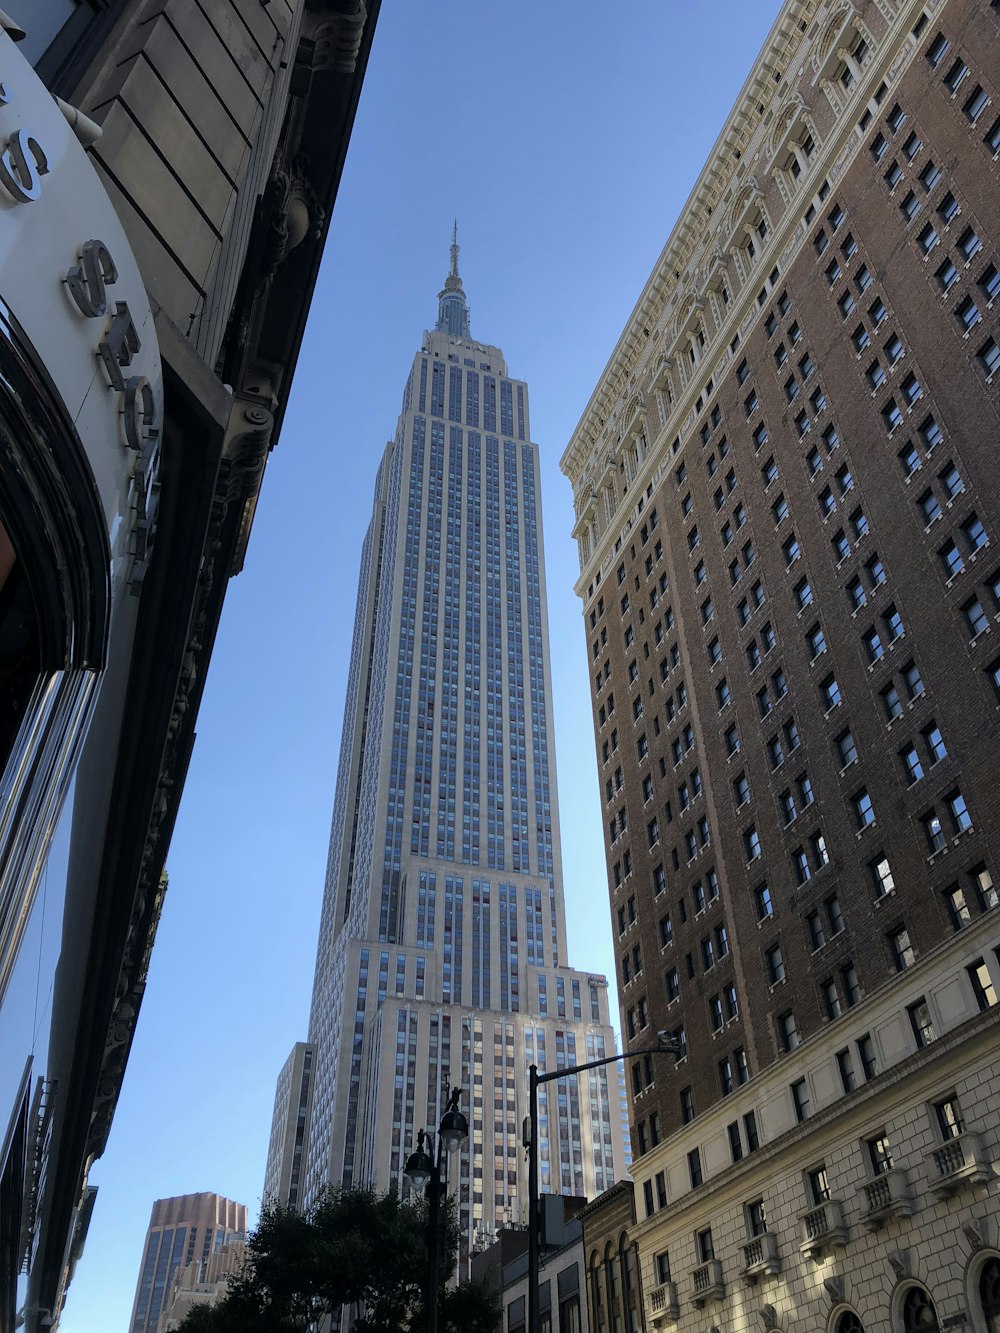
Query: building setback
[(786, 508), (442, 948), (187, 1229), (167, 175)]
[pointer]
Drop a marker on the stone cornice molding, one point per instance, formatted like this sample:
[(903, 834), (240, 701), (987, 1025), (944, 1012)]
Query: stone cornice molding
[(787, 35)]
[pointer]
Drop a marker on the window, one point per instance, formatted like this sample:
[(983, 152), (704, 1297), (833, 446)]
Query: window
[(947, 275), (921, 1023), (864, 810), (803, 594), (878, 146), (901, 949), (928, 238), (780, 509), (741, 790), (948, 1115), (982, 882), (912, 766), (762, 901), (845, 1066), (875, 376), (961, 820), (911, 679), (982, 984), (992, 137), (938, 49), (881, 876), (775, 964), (910, 206), (800, 866), (955, 75), (893, 175), (846, 749), (929, 506), (989, 282), (863, 278), (816, 641), (934, 742), (909, 460), (951, 481), (830, 691), (817, 935), (831, 998), (860, 338), (968, 244), (975, 616), (930, 176), (879, 1154), (912, 146), (818, 1185), (866, 1054), (968, 314), (800, 1100), (695, 1173), (752, 844), (958, 909), (988, 356), (856, 595), (788, 1033), (787, 802), (732, 739)]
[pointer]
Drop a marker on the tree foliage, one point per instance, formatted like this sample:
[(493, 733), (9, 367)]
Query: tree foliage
[(353, 1247)]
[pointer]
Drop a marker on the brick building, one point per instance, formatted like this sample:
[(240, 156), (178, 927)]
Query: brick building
[(786, 507)]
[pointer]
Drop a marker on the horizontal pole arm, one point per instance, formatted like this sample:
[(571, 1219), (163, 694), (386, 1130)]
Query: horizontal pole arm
[(665, 1049)]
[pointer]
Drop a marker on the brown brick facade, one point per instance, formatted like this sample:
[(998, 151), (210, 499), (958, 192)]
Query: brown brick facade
[(829, 535)]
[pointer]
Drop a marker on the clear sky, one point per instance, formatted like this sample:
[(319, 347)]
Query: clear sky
[(565, 136)]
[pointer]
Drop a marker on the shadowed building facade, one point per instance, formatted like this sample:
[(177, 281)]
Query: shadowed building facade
[(167, 174), (442, 949), (786, 508)]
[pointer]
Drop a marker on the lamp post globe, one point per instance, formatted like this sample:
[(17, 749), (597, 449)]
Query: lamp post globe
[(419, 1165)]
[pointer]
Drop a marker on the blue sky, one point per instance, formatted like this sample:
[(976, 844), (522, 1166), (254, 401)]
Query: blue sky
[(565, 137)]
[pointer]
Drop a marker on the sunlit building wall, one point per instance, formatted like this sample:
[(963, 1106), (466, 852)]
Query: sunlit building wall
[(786, 504), (184, 1230), (442, 949)]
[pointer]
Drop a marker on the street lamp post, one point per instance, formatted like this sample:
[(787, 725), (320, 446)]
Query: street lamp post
[(667, 1046), (430, 1174)]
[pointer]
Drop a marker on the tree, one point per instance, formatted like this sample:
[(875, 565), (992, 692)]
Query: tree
[(353, 1247)]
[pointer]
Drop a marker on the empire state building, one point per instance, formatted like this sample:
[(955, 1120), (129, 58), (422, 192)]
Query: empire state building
[(442, 947)]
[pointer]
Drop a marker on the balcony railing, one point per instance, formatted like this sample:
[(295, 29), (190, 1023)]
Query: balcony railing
[(662, 1305), (707, 1284), (957, 1162), (885, 1197), (823, 1227), (760, 1257)]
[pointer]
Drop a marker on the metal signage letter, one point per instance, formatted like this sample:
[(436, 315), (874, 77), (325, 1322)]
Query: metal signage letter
[(19, 174), (88, 281)]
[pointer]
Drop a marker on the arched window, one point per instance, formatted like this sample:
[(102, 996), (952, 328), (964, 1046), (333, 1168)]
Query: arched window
[(919, 1314), (596, 1292), (626, 1260), (610, 1277), (989, 1293), (849, 1323)]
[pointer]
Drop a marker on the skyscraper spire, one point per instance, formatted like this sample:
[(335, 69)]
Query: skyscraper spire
[(453, 307)]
